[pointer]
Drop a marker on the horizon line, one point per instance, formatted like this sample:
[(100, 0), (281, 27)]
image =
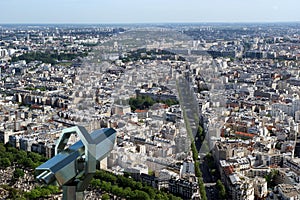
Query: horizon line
[(133, 23)]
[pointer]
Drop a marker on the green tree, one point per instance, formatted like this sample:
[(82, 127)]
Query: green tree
[(200, 133), (145, 102), (197, 169), (194, 151), (18, 173), (150, 172), (2, 148), (106, 186), (27, 162), (95, 183), (39, 192), (210, 161), (35, 157), (160, 196), (138, 195), (172, 197), (45, 192), (4, 162), (10, 156), (21, 154), (150, 191), (221, 189), (103, 175), (202, 189), (33, 194), (271, 176), (117, 191), (138, 185), (127, 191), (105, 196), (12, 150), (115, 184), (53, 189)]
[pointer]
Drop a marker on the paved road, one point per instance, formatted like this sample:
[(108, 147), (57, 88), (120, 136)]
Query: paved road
[(207, 178), (189, 103), (209, 181), (211, 193), (209, 184)]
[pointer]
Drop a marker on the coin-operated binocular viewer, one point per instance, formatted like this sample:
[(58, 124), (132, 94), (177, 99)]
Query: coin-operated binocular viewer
[(74, 167)]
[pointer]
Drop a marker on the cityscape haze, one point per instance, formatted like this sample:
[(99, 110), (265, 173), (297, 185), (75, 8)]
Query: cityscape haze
[(146, 11)]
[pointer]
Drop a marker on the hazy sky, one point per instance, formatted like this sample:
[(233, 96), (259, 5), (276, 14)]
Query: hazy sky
[(141, 11)]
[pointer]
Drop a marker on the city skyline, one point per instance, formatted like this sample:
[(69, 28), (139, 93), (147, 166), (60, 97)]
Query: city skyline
[(133, 11), (197, 110)]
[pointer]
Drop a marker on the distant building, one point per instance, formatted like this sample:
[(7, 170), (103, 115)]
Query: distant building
[(182, 144), (222, 152), (297, 149), (39, 148), (50, 151), (4, 136), (137, 169), (14, 141), (271, 159), (255, 54), (240, 187), (3, 53), (287, 192), (215, 54), (121, 109), (182, 187), (25, 144), (187, 169), (258, 172), (260, 187), (293, 164)]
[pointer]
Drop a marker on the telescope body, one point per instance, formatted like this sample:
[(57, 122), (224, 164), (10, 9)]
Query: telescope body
[(75, 166)]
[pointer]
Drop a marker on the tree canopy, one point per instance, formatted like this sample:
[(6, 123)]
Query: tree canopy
[(126, 187), (51, 58), (221, 189), (145, 102)]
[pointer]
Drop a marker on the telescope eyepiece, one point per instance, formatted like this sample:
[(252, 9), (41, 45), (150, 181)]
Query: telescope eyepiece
[(46, 177)]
